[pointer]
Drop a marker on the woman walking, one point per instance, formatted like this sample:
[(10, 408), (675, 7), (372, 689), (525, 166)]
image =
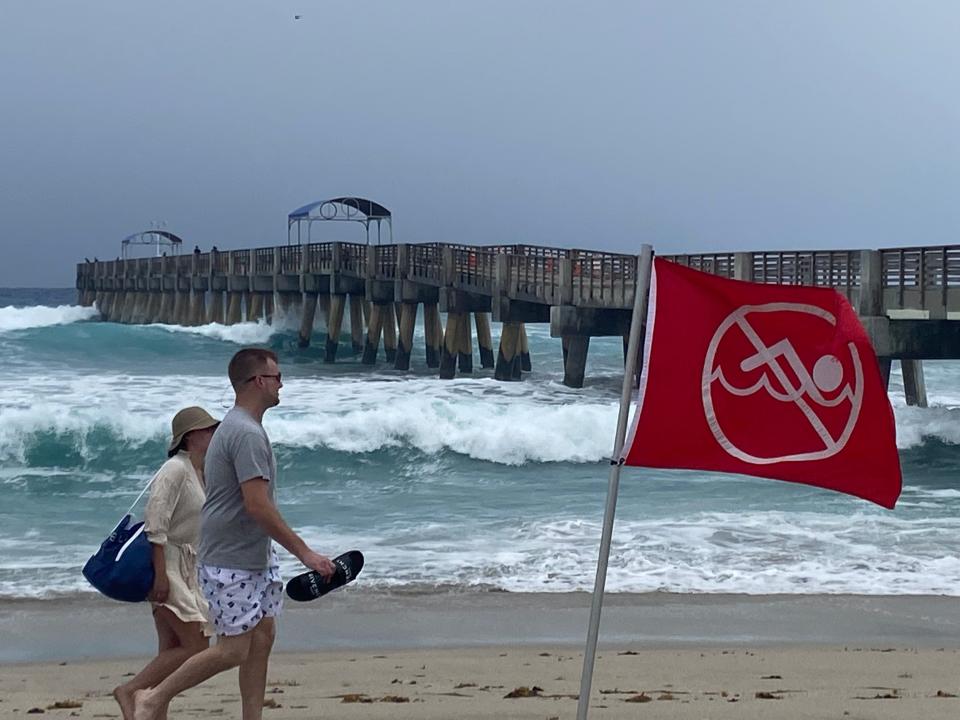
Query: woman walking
[(172, 524)]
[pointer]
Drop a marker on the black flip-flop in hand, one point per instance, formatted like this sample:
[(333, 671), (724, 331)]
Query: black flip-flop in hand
[(311, 584)]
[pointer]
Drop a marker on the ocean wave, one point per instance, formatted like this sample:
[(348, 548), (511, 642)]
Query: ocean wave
[(509, 424), (24, 318), (915, 425), (759, 552), (499, 432), (247, 333)]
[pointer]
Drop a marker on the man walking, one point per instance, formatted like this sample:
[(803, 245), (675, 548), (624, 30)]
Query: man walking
[(238, 568)]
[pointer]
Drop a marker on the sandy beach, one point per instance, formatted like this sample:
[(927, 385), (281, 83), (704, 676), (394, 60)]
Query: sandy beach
[(481, 682), (500, 655)]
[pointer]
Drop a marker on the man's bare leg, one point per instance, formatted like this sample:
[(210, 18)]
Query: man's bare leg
[(253, 672), (177, 641), (229, 652)]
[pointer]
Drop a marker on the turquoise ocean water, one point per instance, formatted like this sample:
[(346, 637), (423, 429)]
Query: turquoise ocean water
[(463, 485)]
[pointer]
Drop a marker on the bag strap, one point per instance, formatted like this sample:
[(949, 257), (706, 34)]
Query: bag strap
[(142, 492)]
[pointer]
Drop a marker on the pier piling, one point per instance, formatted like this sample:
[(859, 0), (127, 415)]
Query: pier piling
[(234, 308), (465, 348), (255, 308), (356, 323), (914, 386), (508, 356), (451, 346), (306, 319), (525, 363), (433, 334), (408, 320), (217, 310), (334, 323), (389, 325), (374, 328), (575, 360), (484, 339)]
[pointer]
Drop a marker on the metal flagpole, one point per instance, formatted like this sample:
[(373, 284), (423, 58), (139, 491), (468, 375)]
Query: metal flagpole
[(629, 371)]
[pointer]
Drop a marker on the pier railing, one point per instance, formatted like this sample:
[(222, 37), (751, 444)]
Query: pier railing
[(912, 278)]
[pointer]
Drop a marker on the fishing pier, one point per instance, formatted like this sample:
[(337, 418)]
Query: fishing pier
[(907, 298)]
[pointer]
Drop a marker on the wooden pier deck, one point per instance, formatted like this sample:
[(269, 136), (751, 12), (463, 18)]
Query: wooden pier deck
[(906, 296)]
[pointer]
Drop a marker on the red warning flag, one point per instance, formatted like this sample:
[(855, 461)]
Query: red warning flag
[(769, 380)]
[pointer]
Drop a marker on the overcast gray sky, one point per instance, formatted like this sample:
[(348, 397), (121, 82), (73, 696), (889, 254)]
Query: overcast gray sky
[(695, 126)]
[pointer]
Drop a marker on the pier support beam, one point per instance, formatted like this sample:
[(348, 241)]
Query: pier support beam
[(465, 348), (306, 319), (197, 307), (508, 356), (140, 308), (433, 334), (268, 301), (408, 320), (129, 303), (285, 301), (389, 324), (106, 309), (914, 386), (166, 308), (323, 305), (153, 308), (575, 349), (119, 305), (217, 311), (133, 303), (525, 363), (255, 308), (374, 327), (452, 341), (106, 306), (179, 302), (234, 308), (484, 339), (124, 302), (356, 323), (334, 322)]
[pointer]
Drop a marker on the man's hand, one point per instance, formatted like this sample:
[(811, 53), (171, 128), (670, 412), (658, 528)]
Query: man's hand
[(320, 563), (161, 588)]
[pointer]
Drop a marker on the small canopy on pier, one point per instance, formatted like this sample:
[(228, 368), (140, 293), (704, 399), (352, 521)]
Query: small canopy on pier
[(157, 238), (353, 209)]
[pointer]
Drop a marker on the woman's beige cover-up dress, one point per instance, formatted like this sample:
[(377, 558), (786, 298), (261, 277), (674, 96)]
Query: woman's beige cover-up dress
[(172, 519)]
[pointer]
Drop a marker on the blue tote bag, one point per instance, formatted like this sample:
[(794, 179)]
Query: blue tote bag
[(122, 569)]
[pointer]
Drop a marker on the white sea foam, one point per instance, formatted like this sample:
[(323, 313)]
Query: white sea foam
[(763, 552), (756, 553), (915, 424), (510, 423), (505, 424), (247, 333), (14, 318)]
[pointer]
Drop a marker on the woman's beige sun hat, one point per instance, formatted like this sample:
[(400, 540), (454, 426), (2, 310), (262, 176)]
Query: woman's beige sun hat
[(188, 420)]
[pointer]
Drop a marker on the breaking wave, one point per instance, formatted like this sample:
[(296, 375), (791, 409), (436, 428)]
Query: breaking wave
[(24, 318)]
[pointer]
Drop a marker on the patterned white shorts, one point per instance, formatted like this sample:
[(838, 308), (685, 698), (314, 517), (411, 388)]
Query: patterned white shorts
[(239, 599)]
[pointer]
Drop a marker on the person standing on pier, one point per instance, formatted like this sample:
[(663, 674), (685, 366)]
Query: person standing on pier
[(238, 567)]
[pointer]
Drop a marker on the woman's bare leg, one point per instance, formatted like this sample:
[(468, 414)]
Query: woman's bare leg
[(177, 641)]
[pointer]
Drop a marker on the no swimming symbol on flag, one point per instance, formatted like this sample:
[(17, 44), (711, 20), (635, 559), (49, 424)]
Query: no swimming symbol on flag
[(775, 376), (767, 380)]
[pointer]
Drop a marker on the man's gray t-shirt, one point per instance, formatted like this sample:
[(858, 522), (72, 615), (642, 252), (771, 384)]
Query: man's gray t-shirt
[(239, 451)]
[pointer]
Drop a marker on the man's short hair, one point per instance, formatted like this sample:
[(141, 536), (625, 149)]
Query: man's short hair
[(247, 363)]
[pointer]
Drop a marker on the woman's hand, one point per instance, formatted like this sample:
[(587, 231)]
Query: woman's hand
[(161, 588)]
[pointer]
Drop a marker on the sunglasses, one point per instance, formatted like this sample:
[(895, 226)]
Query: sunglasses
[(278, 377)]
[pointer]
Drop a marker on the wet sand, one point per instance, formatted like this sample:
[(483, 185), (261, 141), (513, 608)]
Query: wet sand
[(367, 655)]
